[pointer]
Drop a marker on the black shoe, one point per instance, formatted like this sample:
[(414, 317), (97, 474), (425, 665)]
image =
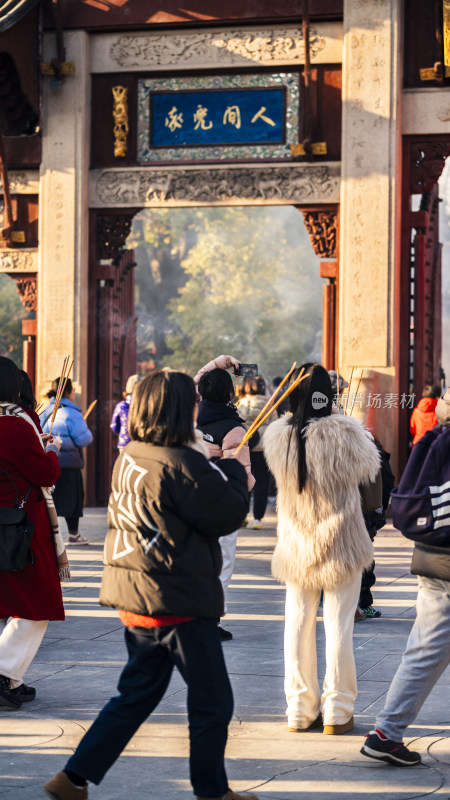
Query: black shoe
[(371, 613), (224, 635), (377, 746), (24, 693), (7, 697)]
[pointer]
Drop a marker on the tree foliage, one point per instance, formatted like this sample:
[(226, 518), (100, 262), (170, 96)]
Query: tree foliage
[(238, 280), (12, 313)]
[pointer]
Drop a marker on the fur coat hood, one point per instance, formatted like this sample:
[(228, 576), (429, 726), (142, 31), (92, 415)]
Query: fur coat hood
[(322, 538)]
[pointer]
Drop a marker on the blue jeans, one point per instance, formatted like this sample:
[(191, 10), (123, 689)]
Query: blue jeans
[(426, 657), (194, 648)]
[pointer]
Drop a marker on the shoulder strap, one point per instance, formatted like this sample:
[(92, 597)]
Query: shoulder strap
[(21, 505)]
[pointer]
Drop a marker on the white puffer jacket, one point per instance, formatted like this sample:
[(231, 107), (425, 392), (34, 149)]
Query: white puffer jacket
[(322, 538)]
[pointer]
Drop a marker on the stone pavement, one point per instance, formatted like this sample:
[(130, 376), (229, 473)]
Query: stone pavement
[(77, 667)]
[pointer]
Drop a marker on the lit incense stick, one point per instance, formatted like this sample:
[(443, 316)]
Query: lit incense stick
[(290, 388), (357, 390), (90, 408), (64, 377), (271, 399)]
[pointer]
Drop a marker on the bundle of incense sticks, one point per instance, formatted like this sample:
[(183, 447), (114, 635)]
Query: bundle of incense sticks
[(261, 419), (90, 409), (65, 373), (252, 428)]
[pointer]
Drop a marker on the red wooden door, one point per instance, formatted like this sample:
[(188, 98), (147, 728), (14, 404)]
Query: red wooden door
[(426, 314), (112, 360)]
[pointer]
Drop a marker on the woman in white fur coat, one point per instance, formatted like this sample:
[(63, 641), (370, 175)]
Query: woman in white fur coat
[(318, 459)]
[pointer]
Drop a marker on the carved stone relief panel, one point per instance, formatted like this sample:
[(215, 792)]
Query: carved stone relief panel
[(263, 46), (19, 260), (23, 181), (219, 186), (425, 112)]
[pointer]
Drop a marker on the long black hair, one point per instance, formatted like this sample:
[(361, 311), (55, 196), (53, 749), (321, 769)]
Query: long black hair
[(10, 381), (162, 409), (311, 399)]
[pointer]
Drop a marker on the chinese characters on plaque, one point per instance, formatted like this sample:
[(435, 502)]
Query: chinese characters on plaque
[(214, 117)]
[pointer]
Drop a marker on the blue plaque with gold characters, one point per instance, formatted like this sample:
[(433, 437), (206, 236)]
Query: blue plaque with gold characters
[(217, 117)]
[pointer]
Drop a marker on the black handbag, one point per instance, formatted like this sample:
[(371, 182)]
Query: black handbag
[(16, 532)]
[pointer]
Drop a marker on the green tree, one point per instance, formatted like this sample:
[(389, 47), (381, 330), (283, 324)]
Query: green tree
[(12, 313), (252, 289)]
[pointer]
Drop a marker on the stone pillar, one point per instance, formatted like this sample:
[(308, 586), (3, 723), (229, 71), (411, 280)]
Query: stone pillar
[(63, 217), (370, 198)]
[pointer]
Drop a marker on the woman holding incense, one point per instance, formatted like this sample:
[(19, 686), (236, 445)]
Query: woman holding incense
[(250, 405), (166, 587), (318, 460), (223, 431), (29, 597), (74, 433)]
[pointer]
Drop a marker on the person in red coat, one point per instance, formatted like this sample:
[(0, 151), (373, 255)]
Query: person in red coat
[(423, 418), (29, 598)]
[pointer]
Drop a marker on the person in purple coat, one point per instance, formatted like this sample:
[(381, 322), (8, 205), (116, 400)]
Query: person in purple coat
[(119, 422)]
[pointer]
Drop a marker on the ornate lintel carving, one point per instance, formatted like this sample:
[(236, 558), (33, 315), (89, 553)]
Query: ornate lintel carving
[(176, 186), (427, 163), (112, 233), (20, 260), (262, 46), (27, 290), (321, 227)]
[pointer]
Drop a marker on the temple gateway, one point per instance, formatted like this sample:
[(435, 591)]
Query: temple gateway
[(336, 107)]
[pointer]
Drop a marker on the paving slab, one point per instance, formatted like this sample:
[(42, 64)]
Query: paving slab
[(78, 665)]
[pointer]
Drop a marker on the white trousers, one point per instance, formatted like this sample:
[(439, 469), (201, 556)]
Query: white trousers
[(301, 685), (228, 547), (19, 642)]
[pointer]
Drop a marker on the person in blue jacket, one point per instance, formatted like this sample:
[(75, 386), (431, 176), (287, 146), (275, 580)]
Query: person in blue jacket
[(71, 428)]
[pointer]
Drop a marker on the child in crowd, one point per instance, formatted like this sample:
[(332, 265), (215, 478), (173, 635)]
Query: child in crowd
[(119, 422)]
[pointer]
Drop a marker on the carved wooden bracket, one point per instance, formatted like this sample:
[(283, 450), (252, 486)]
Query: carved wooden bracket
[(427, 163), (27, 290), (321, 227), (120, 116), (112, 233)]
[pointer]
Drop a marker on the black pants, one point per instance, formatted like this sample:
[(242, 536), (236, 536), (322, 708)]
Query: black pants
[(72, 525), (368, 577), (194, 648), (367, 581), (261, 474)]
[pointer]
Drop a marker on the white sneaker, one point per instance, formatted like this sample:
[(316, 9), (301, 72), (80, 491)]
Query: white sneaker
[(258, 525)]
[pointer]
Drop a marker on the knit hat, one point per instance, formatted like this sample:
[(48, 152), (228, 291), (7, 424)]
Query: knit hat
[(131, 383), (333, 378), (442, 410)]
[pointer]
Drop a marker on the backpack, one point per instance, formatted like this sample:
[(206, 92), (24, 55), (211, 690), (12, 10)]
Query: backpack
[(421, 501)]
